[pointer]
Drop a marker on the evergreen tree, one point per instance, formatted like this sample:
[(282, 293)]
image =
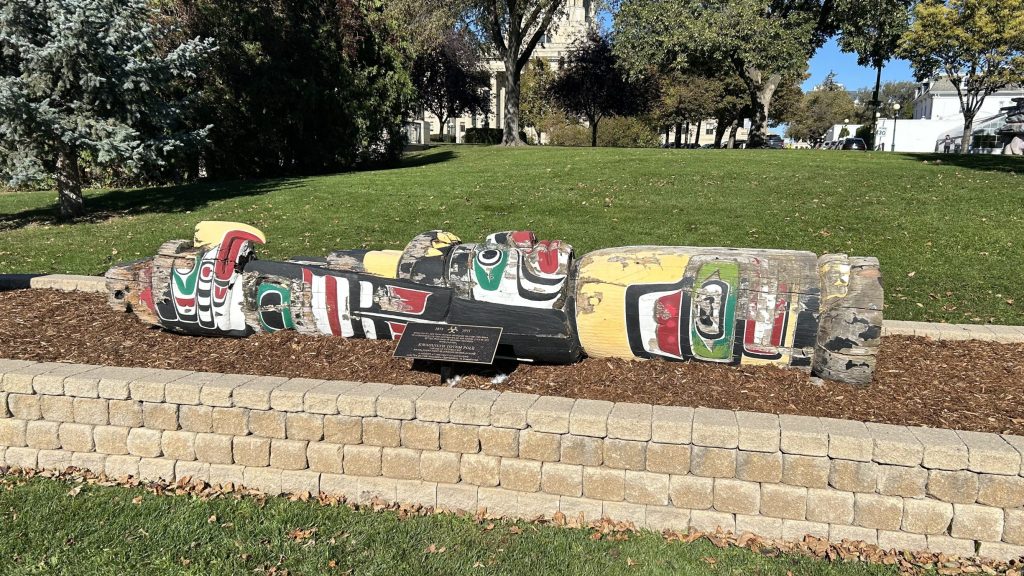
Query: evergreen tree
[(91, 79)]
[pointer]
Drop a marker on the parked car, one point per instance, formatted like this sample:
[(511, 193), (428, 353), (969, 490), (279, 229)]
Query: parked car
[(774, 141), (853, 144)]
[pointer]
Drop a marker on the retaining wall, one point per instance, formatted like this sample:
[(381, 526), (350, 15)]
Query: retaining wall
[(520, 455)]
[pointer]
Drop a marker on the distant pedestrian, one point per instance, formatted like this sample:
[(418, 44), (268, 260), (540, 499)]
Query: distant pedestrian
[(947, 142)]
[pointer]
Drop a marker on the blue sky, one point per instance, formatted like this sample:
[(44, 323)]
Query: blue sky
[(829, 58)]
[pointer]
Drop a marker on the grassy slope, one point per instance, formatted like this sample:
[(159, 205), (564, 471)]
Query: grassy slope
[(949, 235), (101, 531)]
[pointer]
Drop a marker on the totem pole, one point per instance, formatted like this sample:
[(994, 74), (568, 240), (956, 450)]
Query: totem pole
[(724, 305)]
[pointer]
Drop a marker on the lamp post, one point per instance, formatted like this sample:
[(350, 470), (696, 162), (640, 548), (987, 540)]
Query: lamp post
[(895, 115), (874, 131)]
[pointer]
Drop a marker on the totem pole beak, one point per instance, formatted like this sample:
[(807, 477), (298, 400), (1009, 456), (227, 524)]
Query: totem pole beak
[(211, 232)]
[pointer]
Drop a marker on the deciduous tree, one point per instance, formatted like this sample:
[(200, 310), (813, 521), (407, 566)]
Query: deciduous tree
[(977, 44), (818, 111), (450, 78), (90, 77)]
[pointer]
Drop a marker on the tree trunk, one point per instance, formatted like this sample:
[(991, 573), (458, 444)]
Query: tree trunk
[(761, 91), (732, 133), (720, 128), (679, 135), (69, 184), (593, 133), (965, 140), (512, 90), (876, 104), (696, 139)]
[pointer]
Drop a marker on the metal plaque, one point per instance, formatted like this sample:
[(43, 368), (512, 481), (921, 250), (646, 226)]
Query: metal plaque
[(449, 343)]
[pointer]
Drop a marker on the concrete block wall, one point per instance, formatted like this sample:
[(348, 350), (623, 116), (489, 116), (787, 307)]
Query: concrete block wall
[(522, 455)]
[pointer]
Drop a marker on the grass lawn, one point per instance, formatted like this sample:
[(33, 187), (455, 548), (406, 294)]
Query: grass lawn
[(949, 235), (104, 530)]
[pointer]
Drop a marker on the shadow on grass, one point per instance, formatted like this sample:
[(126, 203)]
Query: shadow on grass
[(424, 158), (985, 162)]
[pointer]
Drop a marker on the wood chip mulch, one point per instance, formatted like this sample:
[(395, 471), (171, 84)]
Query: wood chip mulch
[(969, 385)]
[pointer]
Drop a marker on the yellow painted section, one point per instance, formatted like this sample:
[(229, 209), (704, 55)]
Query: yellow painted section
[(210, 232), (383, 263), (601, 292), (443, 240)]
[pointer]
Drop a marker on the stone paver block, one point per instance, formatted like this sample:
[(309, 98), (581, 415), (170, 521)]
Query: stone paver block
[(327, 457), (19, 380), (214, 448), (763, 526), (715, 428), (839, 532), (196, 418), (290, 454), (895, 445), (521, 475), (251, 451), (12, 432), (218, 392), (149, 387), (782, 501), (153, 469), (52, 381), (803, 435), (123, 466), (42, 435), (944, 544), (89, 411), (480, 469), (160, 416), (990, 454), (901, 541), (473, 407), (672, 424), (52, 408), (343, 429), (108, 439), (977, 522), (1016, 441), (255, 394), (291, 395), (830, 506), (550, 414), (125, 413), (300, 482), (1013, 527), (511, 408), (26, 407), (585, 450), (626, 512), (265, 423), (758, 432), (440, 466), (266, 480), (926, 516), (76, 437), (796, 530), (1001, 491), (667, 519), (848, 440), (692, 492), (562, 479), (499, 441), (943, 449), (628, 421), (498, 502), (713, 462), (361, 399), (759, 466), (604, 483), (460, 438), (906, 481), (189, 389), (399, 403), (647, 488), (1001, 552), (421, 435), (712, 521), (417, 492), (324, 398), (668, 458), (877, 511), (377, 488), (363, 460), (179, 445), (457, 497), (808, 471), (581, 511), (25, 458), (853, 476), (400, 463), (90, 461), (537, 506), (737, 496), (957, 487), (625, 454), (435, 404), (590, 418), (539, 446), (144, 442), (232, 421), (304, 426)]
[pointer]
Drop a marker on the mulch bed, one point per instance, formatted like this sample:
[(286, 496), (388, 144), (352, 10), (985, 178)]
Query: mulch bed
[(920, 382)]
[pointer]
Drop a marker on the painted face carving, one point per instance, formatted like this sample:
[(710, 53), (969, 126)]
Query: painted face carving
[(514, 268)]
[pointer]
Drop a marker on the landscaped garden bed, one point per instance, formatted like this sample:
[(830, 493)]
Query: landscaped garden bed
[(969, 385)]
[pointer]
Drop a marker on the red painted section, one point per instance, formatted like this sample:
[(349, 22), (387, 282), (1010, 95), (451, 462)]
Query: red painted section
[(414, 301), (666, 314), (547, 255), (146, 297), (230, 246), (333, 312), (397, 329), (523, 238)]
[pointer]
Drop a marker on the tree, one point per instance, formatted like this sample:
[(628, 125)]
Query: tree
[(513, 28), (889, 93), (686, 98), (299, 86), (819, 110), (92, 78), (976, 44), (537, 109), (763, 41), (450, 79), (590, 84), (872, 29)]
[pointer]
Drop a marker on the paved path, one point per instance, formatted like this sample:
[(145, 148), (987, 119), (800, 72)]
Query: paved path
[(992, 333)]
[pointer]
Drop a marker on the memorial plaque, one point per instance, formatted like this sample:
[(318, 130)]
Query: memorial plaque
[(449, 343)]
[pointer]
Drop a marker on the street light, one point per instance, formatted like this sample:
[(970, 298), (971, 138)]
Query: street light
[(895, 115), (874, 132)]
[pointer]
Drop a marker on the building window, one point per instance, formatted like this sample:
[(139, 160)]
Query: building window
[(709, 130)]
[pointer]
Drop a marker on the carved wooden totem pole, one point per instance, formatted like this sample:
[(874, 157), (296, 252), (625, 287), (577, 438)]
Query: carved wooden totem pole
[(722, 305)]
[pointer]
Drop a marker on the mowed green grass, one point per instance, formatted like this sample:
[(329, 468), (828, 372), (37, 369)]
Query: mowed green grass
[(949, 235), (106, 531)]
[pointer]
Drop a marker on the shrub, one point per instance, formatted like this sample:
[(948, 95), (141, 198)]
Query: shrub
[(868, 135), (616, 131), (487, 136)]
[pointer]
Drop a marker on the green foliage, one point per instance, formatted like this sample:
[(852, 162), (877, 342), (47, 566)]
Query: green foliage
[(616, 132), (889, 93), (102, 79), (450, 78), (486, 136), (977, 44), (872, 28), (537, 109), (818, 111), (687, 98), (866, 133), (299, 86)]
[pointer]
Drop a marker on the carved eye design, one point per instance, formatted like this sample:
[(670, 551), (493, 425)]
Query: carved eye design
[(488, 257)]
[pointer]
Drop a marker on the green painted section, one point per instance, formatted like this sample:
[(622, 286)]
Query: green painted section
[(721, 348), (186, 283), (286, 311), (490, 279)]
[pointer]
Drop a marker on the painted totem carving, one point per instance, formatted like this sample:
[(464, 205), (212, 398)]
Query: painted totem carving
[(722, 305)]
